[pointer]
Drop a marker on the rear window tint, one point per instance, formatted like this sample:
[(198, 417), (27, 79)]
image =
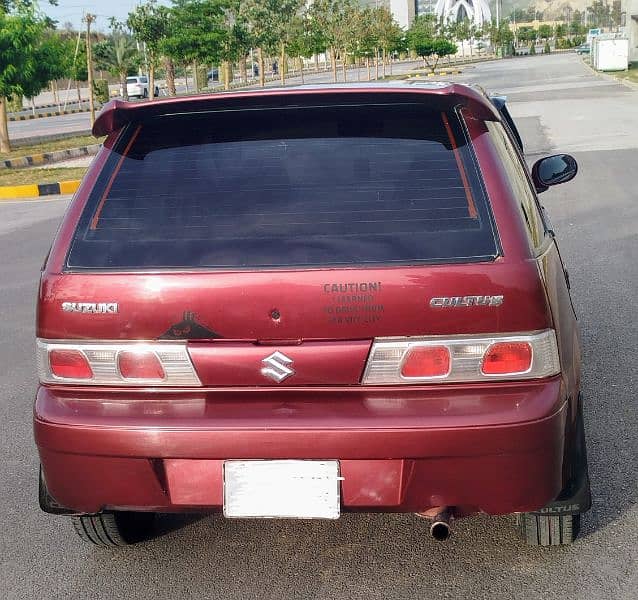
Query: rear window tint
[(290, 187)]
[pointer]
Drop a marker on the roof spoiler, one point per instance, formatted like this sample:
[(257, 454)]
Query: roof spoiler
[(117, 113)]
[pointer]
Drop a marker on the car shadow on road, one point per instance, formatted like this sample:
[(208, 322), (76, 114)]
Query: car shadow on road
[(598, 245), (358, 556)]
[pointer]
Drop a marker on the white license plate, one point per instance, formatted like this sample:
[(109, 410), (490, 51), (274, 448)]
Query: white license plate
[(293, 489)]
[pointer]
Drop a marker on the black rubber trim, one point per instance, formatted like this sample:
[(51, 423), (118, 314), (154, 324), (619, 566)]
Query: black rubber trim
[(48, 189), (48, 503), (575, 498)]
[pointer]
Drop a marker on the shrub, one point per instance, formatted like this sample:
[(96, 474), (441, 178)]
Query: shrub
[(14, 104), (101, 90)]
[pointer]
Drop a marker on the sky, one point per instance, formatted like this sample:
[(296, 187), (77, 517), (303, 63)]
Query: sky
[(72, 10)]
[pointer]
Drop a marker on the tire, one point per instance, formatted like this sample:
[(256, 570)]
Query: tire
[(542, 530), (114, 529)]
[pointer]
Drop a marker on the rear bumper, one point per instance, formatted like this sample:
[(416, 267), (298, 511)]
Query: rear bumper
[(491, 448)]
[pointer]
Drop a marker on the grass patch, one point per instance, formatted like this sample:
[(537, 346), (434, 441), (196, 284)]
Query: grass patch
[(72, 142), (630, 75), (395, 77), (26, 176)]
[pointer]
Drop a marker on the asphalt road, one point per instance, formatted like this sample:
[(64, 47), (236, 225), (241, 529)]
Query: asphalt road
[(560, 105), (74, 123), (52, 107)]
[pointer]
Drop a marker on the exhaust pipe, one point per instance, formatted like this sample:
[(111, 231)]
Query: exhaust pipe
[(440, 527)]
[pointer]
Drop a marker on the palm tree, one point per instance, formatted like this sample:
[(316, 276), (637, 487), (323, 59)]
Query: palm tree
[(119, 56)]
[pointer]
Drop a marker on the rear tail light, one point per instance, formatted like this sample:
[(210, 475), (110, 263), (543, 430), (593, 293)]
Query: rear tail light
[(69, 364), (426, 361), (139, 364), (507, 358), (124, 364), (462, 358)]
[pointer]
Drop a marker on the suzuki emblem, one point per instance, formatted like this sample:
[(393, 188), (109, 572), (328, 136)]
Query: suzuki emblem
[(277, 366)]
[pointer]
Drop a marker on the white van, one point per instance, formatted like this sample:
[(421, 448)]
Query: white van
[(137, 87)]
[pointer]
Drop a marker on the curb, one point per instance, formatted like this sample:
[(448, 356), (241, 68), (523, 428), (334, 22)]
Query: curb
[(46, 158), (34, 190), (52, 137), (48, 114), (435, 74), (55, 104), (446, 72), (603, 75)]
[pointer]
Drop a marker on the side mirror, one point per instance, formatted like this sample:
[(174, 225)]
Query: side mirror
[(553, 170)]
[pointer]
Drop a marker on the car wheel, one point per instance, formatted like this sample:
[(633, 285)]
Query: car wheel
[(546, 530), (114, 529)]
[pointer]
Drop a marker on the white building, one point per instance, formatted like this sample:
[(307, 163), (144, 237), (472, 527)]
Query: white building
[(404, 11), (629, 10), (476, 12)]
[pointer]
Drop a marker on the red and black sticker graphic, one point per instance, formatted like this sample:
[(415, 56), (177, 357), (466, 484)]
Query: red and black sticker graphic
[(189, 329)]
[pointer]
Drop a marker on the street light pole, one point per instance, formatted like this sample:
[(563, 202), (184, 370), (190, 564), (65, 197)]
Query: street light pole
[(89, 18)]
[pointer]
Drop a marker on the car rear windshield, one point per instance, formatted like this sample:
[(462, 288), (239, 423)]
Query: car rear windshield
[(386, 184)]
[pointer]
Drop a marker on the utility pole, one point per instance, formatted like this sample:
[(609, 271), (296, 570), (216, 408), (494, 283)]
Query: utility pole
[(89, 18), (498, 26)]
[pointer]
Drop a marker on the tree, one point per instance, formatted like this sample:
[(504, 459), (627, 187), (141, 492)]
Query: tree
[(616, 13), (500, 34), (9, 5), (149, 24), (196, 31), (304, 41), (420, 36), (77, 68), (364, 40), (52, 60), (600, 14), (521, 15), (462, 31), (281, 14), (427, 40), (118, 55), (332, 19), (270, 24), (544, 31), (389, 33), (576, 27), (240, 42), (29, 58), (528, 34), (442, 48)]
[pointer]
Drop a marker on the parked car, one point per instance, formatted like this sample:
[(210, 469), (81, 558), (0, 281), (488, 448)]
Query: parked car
[(583, 49), (358, 307), (213, 74), (137, 87)]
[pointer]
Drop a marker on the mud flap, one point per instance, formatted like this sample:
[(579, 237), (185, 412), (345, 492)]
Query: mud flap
[(576, 496), (48, 503)]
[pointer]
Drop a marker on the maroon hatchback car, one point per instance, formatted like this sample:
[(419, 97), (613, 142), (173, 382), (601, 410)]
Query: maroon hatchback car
[(297, 302)]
